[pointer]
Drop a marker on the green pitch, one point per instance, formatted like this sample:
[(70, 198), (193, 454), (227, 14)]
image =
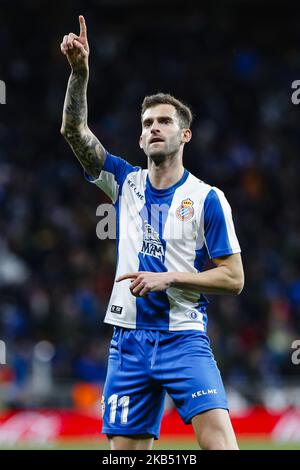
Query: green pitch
[(162, 444)]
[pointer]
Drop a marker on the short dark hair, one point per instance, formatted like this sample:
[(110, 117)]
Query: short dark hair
[(184, 113)]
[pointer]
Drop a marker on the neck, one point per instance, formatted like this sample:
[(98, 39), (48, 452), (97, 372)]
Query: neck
[(164, 174)]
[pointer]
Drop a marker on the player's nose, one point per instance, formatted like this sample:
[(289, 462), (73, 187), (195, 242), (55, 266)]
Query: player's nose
[(155, 128)]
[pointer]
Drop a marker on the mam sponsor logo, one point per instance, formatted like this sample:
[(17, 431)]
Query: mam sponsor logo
[(152, 245), (201, 393)]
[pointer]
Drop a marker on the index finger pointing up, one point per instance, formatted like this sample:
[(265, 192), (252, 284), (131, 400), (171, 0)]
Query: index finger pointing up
[(82, 26)]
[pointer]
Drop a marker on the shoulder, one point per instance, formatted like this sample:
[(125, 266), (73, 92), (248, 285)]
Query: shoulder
[(201, 188), (209, 196)]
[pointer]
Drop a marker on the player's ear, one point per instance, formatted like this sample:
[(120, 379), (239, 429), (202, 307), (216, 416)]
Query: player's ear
[(186, 135), (140, 142)]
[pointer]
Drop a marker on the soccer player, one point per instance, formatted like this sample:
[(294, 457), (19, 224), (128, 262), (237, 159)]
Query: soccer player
[(168, 224)]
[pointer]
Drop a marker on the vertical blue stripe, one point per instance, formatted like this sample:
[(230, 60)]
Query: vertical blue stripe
[(200, 258), (153, 311), (215, 228)]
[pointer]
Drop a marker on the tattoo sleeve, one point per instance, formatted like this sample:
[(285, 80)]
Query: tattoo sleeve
[(85, 145)]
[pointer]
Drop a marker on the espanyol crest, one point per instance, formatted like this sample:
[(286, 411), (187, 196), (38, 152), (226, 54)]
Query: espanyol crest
[(185, 211)]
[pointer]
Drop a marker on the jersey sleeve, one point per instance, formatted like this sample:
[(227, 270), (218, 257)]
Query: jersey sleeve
[(112, 175), (219, 232)]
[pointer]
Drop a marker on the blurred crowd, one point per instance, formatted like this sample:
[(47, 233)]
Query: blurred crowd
[(235, 69)]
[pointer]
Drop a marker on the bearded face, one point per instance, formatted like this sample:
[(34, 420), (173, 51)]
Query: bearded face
[(162, 134)]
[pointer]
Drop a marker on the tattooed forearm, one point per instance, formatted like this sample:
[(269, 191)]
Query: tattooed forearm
[(75, 106), (83, 142)]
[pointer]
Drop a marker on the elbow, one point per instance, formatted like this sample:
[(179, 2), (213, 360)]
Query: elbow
[(63, 130), (69, 131), (237, 285), (66, 132)]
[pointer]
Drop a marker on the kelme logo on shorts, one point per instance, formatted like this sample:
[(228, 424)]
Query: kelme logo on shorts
[(201, 393)]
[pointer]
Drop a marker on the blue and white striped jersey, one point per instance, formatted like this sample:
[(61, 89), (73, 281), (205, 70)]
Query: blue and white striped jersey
[(159, 230)]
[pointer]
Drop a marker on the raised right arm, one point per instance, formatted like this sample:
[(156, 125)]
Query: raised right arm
[(85, 145)]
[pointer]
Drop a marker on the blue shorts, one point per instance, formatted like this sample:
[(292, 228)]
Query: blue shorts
[(143, 365)]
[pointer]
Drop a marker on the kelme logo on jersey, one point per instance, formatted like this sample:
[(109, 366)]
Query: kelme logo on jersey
[(185, 211), (152, 245)]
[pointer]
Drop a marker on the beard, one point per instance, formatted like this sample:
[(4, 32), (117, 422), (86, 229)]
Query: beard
[(158, 155)]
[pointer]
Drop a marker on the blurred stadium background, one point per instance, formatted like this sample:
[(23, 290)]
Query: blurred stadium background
[(234, 63)]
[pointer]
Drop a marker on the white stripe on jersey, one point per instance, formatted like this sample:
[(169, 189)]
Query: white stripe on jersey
[(180, 257)]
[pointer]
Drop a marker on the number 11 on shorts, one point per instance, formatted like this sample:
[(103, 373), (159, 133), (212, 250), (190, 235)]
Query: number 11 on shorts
[(114, 403)]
